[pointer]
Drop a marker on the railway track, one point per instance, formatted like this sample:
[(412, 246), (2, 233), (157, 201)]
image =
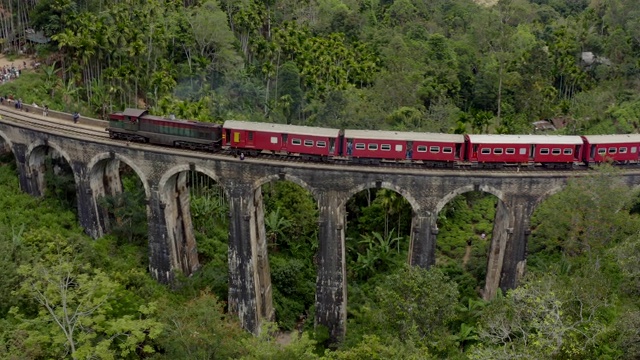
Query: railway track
[(52, 123), (84, 130)]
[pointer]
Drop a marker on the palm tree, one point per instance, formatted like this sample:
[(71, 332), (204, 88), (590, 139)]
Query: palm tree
[(275, 225)]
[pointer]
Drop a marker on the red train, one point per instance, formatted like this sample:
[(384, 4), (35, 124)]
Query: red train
[(372, 146)]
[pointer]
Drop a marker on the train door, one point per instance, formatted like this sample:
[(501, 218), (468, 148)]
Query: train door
[(532, 153), (332, 146), (409, 152), (237, 137), (226, 137), (592, 153), (577, 155), (249, 138), (458, 150), (284, 138)]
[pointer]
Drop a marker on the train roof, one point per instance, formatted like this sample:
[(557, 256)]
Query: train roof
[(525, 139), (281, 128), (403, 135), (612, 139), (181, 121), (134, 112)]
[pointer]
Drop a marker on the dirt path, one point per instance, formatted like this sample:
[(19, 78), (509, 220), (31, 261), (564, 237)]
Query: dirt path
[(17, 62), (467, 255)]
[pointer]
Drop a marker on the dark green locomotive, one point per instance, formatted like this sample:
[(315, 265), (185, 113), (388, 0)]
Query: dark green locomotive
[(137, 125)]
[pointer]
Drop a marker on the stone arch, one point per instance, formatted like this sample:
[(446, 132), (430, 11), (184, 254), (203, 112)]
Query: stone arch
[(552, 192), (415, 206), (461, 190), (175, 202), (294, 179), (45, 143), (34, 164), (92, 168), (169, 174), (8, 142)]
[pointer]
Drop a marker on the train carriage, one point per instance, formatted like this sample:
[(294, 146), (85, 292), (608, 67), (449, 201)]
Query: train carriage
[(396, 145), (617, 148), (551, 151), (290, 139)]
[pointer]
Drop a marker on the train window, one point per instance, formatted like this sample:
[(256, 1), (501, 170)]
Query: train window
[(250, 135), (360, 146), (613, 150), (602, 151), (510, 151), (308, 143), (274, 139), (567, 151), (556, 151), (486, 151), (321, 144), (523, 151), (385, 147), (296, 141), (373, 147), (434, 149), (422, 148), (623, 150), (398, 147), (447, 150), (633, 149), (544, 151), (497, 151)]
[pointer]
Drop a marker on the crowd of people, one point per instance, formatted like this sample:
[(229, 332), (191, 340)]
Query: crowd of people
[(10, 72), (18, 104)]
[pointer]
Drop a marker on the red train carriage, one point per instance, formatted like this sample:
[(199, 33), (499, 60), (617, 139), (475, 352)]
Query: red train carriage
[(394, 145), (618, 148), (137, 125), (554, 151), (305, 140)]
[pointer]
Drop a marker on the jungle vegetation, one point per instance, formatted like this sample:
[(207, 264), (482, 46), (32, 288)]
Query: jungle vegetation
[(447, 66)]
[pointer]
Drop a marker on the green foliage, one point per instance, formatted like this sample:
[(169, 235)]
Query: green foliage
[(294, 285), (372, 347), (411, 305), (267, 347), (549, 317), (291, 228), (461, 248), (60, 182), (75, 305), (127, 211), (591, 213), (199, 329)]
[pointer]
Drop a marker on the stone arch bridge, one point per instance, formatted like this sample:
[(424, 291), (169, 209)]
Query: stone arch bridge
[(95, 163)]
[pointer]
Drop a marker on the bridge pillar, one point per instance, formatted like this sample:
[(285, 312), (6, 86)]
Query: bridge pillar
[(177, 212), (506, 262), (422, 246), (105, 181), (260, 248), (87, 214), (159, 252), (331, 287), (249, 276), (20, 152), (513, 268)]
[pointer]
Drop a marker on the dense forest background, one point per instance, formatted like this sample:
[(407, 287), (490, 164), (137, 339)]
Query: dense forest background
[(449, 66), (440, 65)]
